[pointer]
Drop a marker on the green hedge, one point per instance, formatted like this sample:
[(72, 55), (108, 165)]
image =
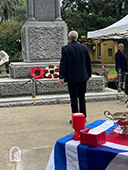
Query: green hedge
[(10, 40)]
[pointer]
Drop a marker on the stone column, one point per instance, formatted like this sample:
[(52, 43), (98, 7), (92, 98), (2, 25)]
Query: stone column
[(30, 10), (57, 9)]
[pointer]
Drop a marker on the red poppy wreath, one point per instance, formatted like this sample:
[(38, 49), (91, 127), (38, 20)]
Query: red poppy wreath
[(37, 72)]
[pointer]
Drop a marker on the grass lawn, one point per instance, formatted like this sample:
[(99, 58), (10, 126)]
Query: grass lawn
[(111, 69)]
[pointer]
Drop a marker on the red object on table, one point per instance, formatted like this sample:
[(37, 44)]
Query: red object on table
[(92, 139), (122, 122), (78, 123)]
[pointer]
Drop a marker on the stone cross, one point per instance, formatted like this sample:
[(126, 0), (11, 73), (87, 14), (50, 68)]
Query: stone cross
[(43, 10)]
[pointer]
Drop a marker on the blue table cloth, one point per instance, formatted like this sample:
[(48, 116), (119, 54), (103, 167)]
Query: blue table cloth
[(68, 154)]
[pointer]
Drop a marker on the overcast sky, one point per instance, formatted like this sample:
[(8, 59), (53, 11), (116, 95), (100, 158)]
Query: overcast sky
[(60, 2)]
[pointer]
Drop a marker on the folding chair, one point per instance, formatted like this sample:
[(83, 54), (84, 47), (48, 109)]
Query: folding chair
[(109, 79)]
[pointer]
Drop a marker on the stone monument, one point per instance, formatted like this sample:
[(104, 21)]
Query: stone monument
[(43, 35)]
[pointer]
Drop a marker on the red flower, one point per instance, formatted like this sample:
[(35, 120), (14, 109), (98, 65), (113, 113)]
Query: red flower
[(57, 70), (49, 76), (51, 66), (45, 71), (55, 75)]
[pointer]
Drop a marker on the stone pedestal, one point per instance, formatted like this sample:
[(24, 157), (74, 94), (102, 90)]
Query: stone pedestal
[(22, 70), (41, 46), (23, 87), (42, 36), (42, 41), (18, 92)]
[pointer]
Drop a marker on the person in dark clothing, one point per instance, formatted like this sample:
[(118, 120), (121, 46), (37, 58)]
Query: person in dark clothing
[(120, 63), (75, 69)]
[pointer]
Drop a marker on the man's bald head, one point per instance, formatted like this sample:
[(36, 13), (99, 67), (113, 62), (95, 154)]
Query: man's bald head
[(121, 46), (73, 35)]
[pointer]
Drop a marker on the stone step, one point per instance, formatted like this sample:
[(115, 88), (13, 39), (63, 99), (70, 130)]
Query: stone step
[(10, 87), (107, 95)]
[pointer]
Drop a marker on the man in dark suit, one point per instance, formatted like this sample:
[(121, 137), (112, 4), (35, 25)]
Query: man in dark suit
[(75, 69), (121, 62)]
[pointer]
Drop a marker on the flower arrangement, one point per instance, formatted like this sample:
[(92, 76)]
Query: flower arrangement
[(51, 72), (37, 72)]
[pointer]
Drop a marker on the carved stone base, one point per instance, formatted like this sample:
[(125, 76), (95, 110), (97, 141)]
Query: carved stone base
[(42, 41), (22, 70), (23, 87)]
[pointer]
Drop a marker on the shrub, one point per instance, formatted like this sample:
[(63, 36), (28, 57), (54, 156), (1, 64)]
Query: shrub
[(96, 62), (10, 40)]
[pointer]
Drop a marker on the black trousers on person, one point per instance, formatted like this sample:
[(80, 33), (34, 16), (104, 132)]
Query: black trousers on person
[(77, 92)]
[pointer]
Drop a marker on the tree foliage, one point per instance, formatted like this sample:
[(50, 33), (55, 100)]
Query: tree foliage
[(13, 17), (8, 8), (20, 12), (10, 39), (89, 15)]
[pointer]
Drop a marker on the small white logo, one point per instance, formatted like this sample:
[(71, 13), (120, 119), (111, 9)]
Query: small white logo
[(15, 154)]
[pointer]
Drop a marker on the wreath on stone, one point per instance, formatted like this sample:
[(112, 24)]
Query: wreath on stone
[(51, 72), (37, 72)]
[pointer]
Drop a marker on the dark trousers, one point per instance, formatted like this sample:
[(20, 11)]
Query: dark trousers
[(77, 91)]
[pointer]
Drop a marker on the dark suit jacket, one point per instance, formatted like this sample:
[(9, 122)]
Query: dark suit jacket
[(75, 64), (120, 61)]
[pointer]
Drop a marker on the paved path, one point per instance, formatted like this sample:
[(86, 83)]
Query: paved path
[(36, 128)]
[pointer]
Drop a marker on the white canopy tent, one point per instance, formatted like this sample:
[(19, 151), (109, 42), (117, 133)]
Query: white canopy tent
[(118, 30)]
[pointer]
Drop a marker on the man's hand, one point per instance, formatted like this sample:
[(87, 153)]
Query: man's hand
[(61, 83)]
